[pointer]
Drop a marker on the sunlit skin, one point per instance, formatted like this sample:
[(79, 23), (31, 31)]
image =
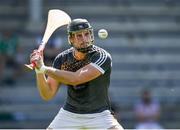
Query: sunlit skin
[(81, 68), (49, 86), (80, 39)]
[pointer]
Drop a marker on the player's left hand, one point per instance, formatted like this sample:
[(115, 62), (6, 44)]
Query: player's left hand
[(37, 58)]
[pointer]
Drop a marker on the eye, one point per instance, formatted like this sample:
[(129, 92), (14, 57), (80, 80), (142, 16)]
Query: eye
[(79, 35), (86, 33)]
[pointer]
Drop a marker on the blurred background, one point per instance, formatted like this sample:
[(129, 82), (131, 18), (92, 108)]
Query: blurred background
[(144, 41)]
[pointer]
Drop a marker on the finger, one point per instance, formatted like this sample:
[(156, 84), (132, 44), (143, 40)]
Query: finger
[(35, 50), (34, 61), (35, 53), (41, 53), (36, 57)]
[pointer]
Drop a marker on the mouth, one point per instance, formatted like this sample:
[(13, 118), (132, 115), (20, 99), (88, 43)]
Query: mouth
[(84, 45), (84, 49)]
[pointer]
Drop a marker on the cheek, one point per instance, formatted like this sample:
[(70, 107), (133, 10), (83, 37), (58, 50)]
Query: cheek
[(77, 40), (88, 37), (73, 40)]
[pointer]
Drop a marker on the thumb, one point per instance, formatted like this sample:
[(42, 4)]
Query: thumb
[(42, 54)]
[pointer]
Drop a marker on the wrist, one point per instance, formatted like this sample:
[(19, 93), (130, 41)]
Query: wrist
[(41, 70)]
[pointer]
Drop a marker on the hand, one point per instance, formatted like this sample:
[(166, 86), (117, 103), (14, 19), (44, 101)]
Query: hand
[(37, 58)]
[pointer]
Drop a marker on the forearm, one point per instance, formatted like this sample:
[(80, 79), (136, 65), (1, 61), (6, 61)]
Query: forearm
[(47, 86), (83, 75), (65, 77), (43, 86)]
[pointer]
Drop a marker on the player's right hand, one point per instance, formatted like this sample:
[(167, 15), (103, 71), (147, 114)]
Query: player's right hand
[(37, 58)]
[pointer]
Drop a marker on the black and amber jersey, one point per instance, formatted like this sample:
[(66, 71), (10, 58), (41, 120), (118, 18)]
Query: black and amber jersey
[(92, 96)]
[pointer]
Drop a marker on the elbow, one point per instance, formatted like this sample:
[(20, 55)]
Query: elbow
[(74, 81), (46, 97)]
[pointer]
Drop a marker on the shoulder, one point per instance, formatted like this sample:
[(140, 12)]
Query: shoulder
[(101, 59), (61, 57), (100, 53), (64, 53), (98, 49)]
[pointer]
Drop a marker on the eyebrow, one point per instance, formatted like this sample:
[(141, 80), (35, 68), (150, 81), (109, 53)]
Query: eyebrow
[(75, 32)]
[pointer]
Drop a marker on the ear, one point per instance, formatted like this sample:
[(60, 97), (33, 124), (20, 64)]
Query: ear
[(71, 38)]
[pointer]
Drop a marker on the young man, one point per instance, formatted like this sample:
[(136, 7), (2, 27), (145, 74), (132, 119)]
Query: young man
[(147, 112), (85, 69)]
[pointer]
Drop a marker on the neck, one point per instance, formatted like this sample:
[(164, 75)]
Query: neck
[(79, 55)]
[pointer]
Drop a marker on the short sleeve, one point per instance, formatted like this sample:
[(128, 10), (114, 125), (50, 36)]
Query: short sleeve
[(57, 62), (102, 61)]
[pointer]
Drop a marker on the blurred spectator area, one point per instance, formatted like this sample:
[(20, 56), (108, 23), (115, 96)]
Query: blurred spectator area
[(143, 40)]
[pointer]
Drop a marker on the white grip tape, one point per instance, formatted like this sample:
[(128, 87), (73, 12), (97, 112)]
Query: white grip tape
[(42, 70)]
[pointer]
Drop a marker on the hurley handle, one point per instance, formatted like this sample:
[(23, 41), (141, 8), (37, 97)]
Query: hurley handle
[(40, 50)]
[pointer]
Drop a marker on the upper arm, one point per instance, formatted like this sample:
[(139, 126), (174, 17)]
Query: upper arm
[(54, 85), (100, 63), (85, 74)]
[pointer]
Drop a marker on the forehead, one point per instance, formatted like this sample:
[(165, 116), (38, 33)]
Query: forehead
[(81, 31)]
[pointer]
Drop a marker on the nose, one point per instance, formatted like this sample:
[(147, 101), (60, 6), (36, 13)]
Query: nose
[(84, 38)]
